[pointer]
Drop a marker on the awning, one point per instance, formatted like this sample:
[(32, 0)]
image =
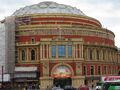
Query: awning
[(25, 69), (25, 72), (25, 75), (25, 80)]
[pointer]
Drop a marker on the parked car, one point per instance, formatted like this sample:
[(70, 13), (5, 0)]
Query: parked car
[(111, 86)]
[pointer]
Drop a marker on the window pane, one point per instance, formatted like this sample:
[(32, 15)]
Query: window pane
[(61, 51), (32, 54), (69, 51), (90, 54), (53, 51), (97, 52), (92, 70), (84, 70), (105, 69), (23, 55), (99, 70)]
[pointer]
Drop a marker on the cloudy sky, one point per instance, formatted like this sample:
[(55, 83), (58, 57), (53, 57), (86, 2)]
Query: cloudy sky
[(106, 11)]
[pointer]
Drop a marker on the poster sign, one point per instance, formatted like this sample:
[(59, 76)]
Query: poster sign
[(111, 79), (62, 72)]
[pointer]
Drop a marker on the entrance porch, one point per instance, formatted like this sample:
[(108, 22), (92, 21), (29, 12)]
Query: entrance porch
[(76, 81)]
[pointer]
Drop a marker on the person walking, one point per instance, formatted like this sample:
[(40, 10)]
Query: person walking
[(83, 87)]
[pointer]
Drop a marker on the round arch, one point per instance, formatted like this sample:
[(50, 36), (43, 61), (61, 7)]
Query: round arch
[(62, 71)]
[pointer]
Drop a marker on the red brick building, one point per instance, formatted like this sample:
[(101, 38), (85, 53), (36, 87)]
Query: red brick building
[(56, 42)]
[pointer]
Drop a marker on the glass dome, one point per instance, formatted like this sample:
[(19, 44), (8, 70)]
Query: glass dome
[(48, 7)]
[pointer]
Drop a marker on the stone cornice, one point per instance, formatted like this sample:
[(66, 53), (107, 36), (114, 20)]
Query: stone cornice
[(60, 15)]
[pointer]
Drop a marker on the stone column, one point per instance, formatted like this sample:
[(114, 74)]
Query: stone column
[(37, 53), (94, 55), (87, 54), (19, 55), (46, 68), (47, 50), (76, 51), (66, 51), (50, 51), (106, 56), (73, 49), (57, 51), (78, 81), (101, 55), (78, 68), (41, 53), (81, 53), (27, 53)]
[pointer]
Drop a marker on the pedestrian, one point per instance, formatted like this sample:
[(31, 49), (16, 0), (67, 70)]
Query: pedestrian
[(30, 87), (83, 87), (92, 86)]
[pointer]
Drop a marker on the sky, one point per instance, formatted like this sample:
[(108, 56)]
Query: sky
[(106, 11)]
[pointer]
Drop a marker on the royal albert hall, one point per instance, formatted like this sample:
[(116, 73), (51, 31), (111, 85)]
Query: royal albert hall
[(59, 44)]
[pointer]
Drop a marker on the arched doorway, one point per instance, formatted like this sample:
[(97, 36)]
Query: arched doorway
[(62, 76), (62, 82)]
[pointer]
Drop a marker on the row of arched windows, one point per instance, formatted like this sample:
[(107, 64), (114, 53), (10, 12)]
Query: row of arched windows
[(99, 54), (100, 70), (89, 53), (24, 54), (61, 51)]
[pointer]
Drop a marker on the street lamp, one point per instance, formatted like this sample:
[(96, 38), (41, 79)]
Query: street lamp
[(2, 78)]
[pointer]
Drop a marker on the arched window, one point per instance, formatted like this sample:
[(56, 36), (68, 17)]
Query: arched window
[(61, 51), (110, 68), (97, 53), (53, 51), (70, 51), (32, 54), (33, 40), (99, 70), (105, 69), (23, 55), (90, 53), (92, 70), (84, 70), (103, 55)]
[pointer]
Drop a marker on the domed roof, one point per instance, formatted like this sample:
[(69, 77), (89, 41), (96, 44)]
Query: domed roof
[(48, 7)]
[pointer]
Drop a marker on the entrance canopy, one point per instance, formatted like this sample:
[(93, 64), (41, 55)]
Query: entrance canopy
[(62, 71), (25, 69), (24, 74)]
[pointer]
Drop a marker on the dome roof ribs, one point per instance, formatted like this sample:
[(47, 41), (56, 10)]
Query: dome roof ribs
[(48, 7)]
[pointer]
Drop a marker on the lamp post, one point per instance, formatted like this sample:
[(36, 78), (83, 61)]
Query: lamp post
[(2, 78)]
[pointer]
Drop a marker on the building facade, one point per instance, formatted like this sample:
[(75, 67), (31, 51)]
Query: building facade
[(55, 42), (2, 46), (7, 51), (7, 45)]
